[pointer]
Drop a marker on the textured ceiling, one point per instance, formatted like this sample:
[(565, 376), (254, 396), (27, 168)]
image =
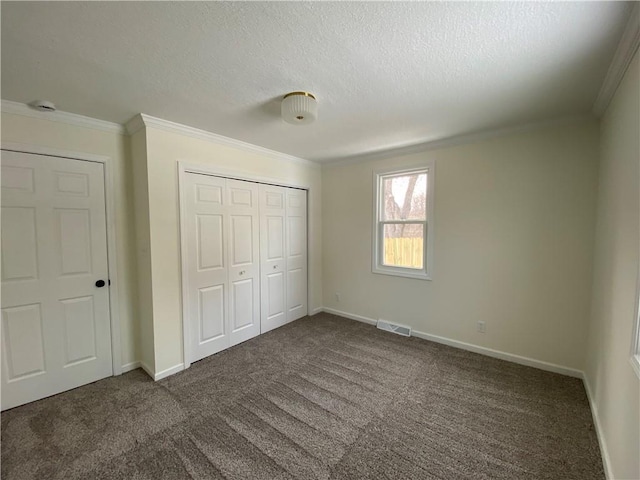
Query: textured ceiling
[(386, 74)]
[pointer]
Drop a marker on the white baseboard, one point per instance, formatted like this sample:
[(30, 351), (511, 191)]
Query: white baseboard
[(168, 372), (163, 373), (352, 316), (510, 357), (127, 367), (606, 460), (315, 311)]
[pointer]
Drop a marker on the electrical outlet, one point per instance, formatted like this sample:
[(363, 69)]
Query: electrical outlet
[(337, 297), (482, 327)]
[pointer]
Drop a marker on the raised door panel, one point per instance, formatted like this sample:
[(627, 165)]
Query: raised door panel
[(79, 330), (242, 240), (274, 237), (19, 246), (18, 178), (209, 194), (241, 194), (73, 184), (275, 292), (297, 293), (73, 237), (274, 199), (242, 295), (210, 241), (211, 317), (23, 342), (297, 237)]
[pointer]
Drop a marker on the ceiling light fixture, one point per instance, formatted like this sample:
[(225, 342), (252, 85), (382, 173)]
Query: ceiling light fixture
[(299, 108)]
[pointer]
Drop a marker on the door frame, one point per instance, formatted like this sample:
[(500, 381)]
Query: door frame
[(109, 200), (185, 167)]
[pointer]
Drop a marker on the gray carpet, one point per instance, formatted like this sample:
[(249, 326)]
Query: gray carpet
[(323, 397)]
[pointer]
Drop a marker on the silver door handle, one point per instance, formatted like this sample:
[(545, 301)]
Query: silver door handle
[(242, 272), (275, 266)]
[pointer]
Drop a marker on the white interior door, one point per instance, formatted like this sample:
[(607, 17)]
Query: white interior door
[(55, 317), (296, 253), (244, 260), (207, 268), (272, 257)]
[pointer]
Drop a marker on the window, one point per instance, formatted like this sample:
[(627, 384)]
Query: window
[(403, 222)]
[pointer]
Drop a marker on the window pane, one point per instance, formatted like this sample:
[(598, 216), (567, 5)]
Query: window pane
[(403, 245), (404, 197)]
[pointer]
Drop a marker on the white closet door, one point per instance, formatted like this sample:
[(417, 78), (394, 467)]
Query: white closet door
[(272, 255), (206, 224), (296, 253), (56, 332), (244, 260), (223, 263)]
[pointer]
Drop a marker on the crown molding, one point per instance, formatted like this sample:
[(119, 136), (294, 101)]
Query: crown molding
[(134, 125), (629, 43), (143, 120), (455, 141), (16, 108)]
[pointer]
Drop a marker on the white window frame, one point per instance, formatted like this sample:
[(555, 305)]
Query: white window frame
[(377, 265), (635, 343)]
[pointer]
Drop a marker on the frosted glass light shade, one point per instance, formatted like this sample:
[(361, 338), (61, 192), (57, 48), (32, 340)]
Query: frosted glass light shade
[(299, 108)]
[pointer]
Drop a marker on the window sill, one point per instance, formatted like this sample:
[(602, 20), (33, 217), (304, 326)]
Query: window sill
[(401, 273)]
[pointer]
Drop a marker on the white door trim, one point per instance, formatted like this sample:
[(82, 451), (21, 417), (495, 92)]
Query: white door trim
[(114, 312), (185, 167)]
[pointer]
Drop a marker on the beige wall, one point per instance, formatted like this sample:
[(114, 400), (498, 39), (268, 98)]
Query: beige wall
[(164, 149), (514, 223), (515, 218), (62, 136), (615, 388), (143, 248)]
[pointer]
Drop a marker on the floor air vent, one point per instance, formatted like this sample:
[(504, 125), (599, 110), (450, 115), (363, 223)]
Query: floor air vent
[(393, 328)]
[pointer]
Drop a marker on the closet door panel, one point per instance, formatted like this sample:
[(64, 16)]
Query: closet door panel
[(272, 257), (244, 260), (296, 253), (207, 270)]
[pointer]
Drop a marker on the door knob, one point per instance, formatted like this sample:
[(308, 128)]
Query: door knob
[(242, 272), (100, 283), (275, 267)]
